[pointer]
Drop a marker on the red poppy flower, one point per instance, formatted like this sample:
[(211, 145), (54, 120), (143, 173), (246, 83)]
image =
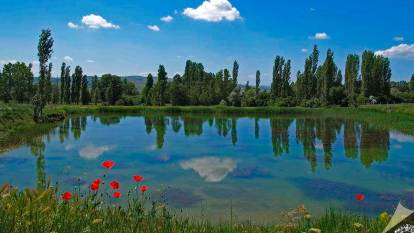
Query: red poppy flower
[(360, 197), (114, 185), (108, 164), (94, 186), (97, 181), (116, 194), (67, 196), (144, 188), (138, 178)]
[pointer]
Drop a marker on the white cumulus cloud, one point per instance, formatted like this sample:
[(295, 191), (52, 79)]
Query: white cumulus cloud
[(96, 21), (167, 18), (4, 62), (213, 11), (320, 36), (401, 51), (68, 59), (211, 169), (90, 61), (398, 38), (304, 50), (154, 28), (73, 25)]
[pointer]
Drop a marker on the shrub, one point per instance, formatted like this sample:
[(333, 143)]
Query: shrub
[(223, 103), (405, 97), (313, 103), (263, 99), (286, 102), (249, 98), (362, 100)]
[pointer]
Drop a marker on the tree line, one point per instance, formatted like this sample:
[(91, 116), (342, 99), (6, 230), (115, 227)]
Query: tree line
[(366, 79)]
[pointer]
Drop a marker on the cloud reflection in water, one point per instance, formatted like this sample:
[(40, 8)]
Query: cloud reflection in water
[(212, 169), (93, 152)]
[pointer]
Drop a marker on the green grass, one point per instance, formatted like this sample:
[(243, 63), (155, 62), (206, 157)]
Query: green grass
[(407, 109), (17, 118), (42, 211)]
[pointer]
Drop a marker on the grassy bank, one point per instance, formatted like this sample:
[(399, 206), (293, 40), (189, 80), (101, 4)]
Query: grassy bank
[(17, 118), (42, 211), (407, 109)]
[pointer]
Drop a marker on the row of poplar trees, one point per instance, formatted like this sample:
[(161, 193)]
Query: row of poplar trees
[(318, 84), (324, 82), (194, 87)]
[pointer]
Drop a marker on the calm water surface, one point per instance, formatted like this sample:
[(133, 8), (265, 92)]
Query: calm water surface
[(206, 165)]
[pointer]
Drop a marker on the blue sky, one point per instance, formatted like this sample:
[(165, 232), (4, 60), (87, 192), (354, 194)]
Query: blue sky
[(128, 37)]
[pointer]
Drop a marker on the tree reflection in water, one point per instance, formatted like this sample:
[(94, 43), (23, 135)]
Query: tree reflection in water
[(369, 143)]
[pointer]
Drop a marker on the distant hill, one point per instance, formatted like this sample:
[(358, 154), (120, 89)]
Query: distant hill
[(139, 81)]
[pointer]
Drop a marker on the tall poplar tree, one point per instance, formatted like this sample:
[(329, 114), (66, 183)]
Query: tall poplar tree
[(376, 75), (76, 84), (257, 84), (48, 84), (85, 95), (329, 74), (68, 82), (314, 78), (45, 50), (285, 89), (62, 82), (161, 86), (235, 73), (6, 82), (351, 76), (146, 92), (276, 86)]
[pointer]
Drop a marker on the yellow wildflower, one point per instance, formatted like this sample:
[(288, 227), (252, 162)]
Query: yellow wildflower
[(384, 217), (315, 230), (358, 226), (97, 221)]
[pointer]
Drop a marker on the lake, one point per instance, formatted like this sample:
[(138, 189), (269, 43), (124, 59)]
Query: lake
[(207, 166)]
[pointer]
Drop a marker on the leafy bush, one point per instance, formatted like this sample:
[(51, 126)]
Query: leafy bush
[(402, 97), (313, 103), (286, 102), (337, 95), (249, 98), (362, 100), (263, 99)]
